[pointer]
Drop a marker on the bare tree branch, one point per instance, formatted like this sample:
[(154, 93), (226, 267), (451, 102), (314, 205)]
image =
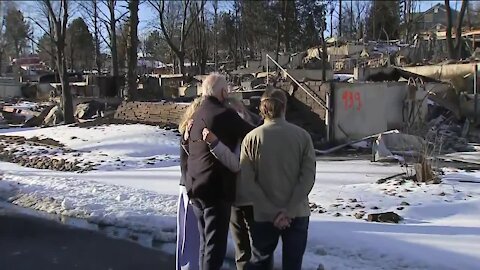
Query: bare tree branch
[(102, 12), (196, 14), (161, 12), (65, 17), (41, 26), (121, 16), (50, 11)]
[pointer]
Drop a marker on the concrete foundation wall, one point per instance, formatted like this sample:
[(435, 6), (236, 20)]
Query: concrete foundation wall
[(10, 88), (363, 109), (345, 50)]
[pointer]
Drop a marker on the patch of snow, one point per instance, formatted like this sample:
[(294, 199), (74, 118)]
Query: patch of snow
[(112, 147), (25, 105), (440, 230)]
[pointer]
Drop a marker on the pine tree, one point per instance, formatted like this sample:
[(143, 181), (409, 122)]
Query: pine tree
[(311, 17), (80, 45), (17, 31)]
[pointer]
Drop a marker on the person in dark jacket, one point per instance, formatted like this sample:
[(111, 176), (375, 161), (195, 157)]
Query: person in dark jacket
[(210, 184)]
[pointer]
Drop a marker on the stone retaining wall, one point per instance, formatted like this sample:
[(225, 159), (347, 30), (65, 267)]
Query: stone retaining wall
[(151, 112)]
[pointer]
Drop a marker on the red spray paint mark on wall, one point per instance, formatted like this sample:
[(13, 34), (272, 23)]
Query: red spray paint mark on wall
[(352, 100)]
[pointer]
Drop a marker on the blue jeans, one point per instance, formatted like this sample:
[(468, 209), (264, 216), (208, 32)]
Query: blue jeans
[(265, 239)]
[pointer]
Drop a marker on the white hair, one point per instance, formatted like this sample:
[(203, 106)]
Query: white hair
[(213, 85)]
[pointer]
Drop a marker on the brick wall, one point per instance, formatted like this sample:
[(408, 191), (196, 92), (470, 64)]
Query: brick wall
[(306, 112), (151, 112)]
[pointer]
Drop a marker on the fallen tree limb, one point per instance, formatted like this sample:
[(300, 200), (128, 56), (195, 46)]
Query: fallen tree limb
[(383, 180)]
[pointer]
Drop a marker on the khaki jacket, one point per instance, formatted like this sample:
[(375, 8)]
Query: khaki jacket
[(278, 167)]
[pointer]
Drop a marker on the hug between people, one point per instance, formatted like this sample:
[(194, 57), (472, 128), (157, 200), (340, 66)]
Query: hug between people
[(242, 173)]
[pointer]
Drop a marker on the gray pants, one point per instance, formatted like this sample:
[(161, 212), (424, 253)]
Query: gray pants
[(241, 222), (213, 223)]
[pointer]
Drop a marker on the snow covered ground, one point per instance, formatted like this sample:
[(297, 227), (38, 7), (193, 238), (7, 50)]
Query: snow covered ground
[(105, 148), (441, 227)]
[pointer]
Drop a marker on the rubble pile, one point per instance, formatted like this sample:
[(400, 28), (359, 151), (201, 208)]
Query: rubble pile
[(18, 112), (42, 162), (39, 153), (448, 135), (32, 141), (89, 110)]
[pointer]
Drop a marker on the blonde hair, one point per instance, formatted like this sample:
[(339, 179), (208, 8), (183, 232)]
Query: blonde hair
[(188, 114), (213, 85)]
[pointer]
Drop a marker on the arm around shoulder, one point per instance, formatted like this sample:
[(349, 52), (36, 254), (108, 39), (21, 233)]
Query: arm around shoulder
[(226, 156)]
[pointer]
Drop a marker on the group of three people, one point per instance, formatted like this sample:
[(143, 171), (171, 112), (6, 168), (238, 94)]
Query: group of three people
[(236, 173)]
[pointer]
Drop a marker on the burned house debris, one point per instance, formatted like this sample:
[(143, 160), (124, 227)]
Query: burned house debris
[(397, 96)]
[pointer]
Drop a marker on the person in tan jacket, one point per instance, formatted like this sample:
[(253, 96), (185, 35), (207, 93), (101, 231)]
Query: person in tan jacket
[(278, 166)]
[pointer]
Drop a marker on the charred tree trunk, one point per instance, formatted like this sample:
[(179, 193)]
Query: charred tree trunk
[(352, 27), (458, 31), (215, 46), (450, 49), (59, 24), (455, 52), (331, 21), (237, 34), (132, 46), (277, 50), (324, 52), (339, 18), (1, 61), (202, 42), (286, 26), (113, 44), (408, 7), (181, 62), (98, 61), (72, 55), (67, 103)]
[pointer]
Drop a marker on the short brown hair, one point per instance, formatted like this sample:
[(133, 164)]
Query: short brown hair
[(273, 104)]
